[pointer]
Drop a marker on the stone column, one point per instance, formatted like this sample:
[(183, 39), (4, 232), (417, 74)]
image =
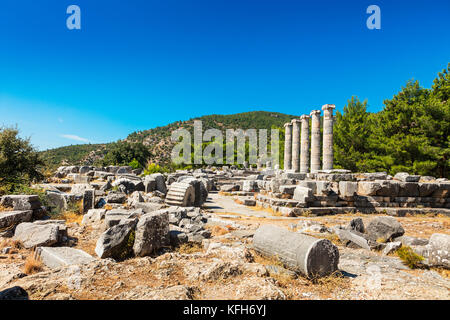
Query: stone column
[(296, 145), (315, 140), (304, 155), (288, 146), (304, 254), (328, 136)]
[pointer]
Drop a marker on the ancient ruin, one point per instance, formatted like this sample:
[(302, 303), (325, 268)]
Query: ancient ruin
[(313, 221)]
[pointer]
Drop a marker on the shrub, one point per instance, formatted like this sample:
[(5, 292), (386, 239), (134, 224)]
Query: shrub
[(409, 257), (135, 164), (154, 168)]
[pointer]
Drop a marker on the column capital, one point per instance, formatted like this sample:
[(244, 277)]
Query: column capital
[(295, 121), (315, 112), (305, 117), (328, 107), (287, 124)]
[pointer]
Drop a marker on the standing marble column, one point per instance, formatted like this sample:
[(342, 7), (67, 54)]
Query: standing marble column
[(315, 140), (296, 145), (288, 146), (328, 136), (304, 155)]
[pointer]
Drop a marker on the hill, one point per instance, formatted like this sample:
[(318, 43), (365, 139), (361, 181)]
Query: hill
[(157, 140)]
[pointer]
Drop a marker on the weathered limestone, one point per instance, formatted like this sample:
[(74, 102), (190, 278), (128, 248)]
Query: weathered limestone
[(39, 233), (385, 228), (406, 177), (249, 186), (181, 194), (88, 200), (304, 155), (327, 153), (93, 216), (345, 236), (116, 197), (315, 140), (310, 256), (160, 182), (14, 293), (347, 189), (296, 145), (439, 251), (152, 233), (63, 256), (116, 216), (10, 218), (117, 242), (391, 247), (23, 202), (288, 146), (200, 189)]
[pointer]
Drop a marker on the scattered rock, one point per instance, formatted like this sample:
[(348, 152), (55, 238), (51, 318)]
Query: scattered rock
[(152, 233), (63, 256), (391, 247), (439, 250), (385, 228), (117, 242), (116, 197), (406, 177), (346, 236), (93, 216), (38, 234), (356, 225), (14, 293)]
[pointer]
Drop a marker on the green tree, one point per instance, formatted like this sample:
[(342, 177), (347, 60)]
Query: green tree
[(122, 153), (20, 163), (413, 130), (352, 132)]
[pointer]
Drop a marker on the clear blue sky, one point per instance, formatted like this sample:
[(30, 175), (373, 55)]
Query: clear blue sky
[(136, 64)]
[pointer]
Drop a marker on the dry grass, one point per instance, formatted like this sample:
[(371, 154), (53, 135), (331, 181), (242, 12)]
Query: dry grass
[(14, 244), (107, 207), (32, 264), (2, 208), (306, 213), (445, 273), (425, 215), (219, 231), (268, 210), (189, 248), (266, 260), (332, 237), (70, 217)]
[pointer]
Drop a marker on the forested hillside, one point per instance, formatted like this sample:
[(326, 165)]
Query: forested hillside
[(410, 133)]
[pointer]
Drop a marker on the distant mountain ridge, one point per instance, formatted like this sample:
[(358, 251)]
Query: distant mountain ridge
[(158, 139)]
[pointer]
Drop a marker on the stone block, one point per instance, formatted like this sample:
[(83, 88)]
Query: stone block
[(63, 256)]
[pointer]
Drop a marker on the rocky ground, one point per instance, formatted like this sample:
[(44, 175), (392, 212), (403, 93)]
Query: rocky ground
[(226, 267)]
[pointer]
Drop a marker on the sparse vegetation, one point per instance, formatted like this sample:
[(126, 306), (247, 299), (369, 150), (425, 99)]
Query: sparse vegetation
[(154, 168), (14, 244), (409, 257), (219, 231), (32, 264), (189, 248)]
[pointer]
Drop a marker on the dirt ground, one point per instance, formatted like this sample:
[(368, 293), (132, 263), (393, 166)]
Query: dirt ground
[(226, 267)]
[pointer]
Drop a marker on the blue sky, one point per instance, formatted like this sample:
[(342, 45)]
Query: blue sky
[(136, 64)]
